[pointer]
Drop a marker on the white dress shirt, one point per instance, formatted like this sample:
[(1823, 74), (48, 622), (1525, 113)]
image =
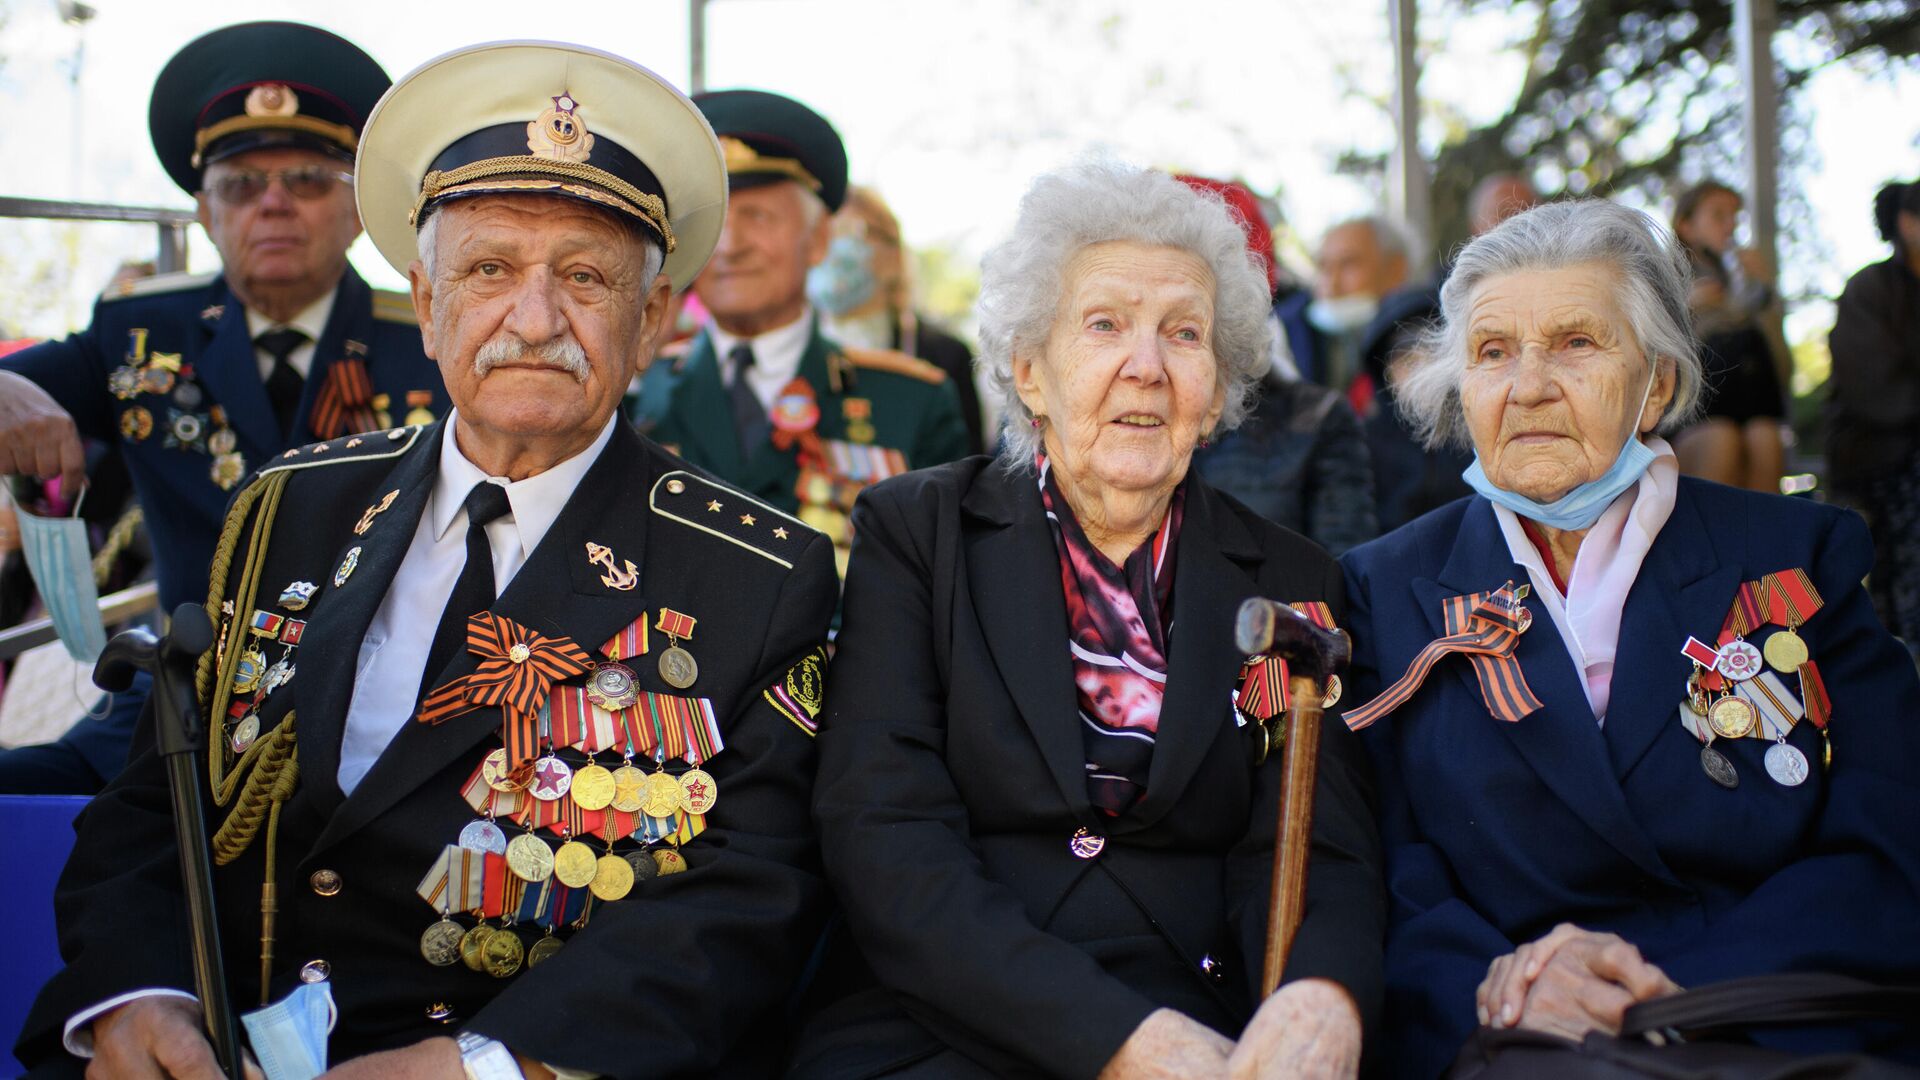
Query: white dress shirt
[(312, 321), (776, 356), (394, 651)]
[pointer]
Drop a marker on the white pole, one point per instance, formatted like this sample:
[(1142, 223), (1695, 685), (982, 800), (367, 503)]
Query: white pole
[(1409, 194)]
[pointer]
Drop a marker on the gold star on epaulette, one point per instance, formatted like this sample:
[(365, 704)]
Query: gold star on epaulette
[(780, 533), (697, 502), (746, 519), (714, 506)]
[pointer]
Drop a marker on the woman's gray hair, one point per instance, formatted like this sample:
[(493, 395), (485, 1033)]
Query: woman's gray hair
[(1651, 281), (1066, 211)]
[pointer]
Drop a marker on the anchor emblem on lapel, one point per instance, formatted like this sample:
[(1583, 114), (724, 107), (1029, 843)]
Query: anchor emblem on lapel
[(621, 580)]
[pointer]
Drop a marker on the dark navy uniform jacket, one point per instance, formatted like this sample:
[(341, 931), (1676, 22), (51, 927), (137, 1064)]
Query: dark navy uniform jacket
[(685, 976), (198, 319), (1497, 831)]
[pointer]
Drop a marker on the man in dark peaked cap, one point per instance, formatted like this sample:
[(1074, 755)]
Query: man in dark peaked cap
[(762, 398), (202, 378), (512, 712)]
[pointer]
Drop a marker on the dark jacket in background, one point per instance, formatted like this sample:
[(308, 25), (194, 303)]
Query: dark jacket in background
[(953, 780), (1874, 393), (1299, 460)]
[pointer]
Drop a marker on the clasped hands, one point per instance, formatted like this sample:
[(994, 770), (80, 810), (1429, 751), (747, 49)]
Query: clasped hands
[(1308, 1029), (1568, 983)]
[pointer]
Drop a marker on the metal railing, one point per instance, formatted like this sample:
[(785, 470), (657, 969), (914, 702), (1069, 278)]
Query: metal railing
[(171, 254), (115, 608)]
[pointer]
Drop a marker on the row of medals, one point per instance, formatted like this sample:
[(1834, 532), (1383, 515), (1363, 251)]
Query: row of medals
[(185, 428), (608, 876), (1732, 716)]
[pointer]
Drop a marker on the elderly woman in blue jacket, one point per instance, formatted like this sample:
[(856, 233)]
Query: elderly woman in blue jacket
[(1634, 731)]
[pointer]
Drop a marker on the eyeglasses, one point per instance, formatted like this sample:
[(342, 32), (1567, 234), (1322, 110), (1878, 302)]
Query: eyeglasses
[(243, 186)]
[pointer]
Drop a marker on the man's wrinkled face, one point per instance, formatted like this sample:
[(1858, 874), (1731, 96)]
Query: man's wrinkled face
[(278, 240), (1351, 262), (536, 312), (758, 273)]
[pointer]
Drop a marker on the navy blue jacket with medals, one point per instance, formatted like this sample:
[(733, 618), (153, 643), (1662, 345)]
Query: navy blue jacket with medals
[(684, 976), (1495, 832), (170, 426)]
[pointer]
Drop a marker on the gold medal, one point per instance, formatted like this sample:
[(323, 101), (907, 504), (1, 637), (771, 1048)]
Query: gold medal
[(529, 858), (440, 943), (668, 861), (593, 787), (543, 950), (471, 944), (573, 864), (628, 784), (660, 796), (678, 667), (498, 777), (1731, 717), (249, 671), (612, 878), (502, 953), (698, 792), (1785, 651)]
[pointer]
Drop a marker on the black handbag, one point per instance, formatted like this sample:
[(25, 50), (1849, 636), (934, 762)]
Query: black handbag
[(1693, 1035)]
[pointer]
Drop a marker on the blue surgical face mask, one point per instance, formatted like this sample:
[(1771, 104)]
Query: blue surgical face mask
[(62, 569), (1581, 507), (844, 280)]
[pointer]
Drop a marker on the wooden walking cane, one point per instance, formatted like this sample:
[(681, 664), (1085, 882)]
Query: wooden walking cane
[(1267, 628)]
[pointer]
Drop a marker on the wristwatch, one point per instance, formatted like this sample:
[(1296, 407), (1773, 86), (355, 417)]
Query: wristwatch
[(487, 1059)]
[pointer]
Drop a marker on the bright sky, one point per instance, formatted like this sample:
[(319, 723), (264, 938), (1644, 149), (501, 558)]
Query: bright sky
[(948, 107)]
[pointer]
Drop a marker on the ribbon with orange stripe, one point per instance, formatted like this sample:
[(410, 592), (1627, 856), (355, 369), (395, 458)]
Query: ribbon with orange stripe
[(517, 670), (1263, 681), (344, 405), (1485, 627)]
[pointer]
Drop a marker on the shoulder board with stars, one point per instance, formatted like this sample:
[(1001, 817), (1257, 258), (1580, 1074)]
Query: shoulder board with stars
[(718, 510), (370, 446), (898, 363), (158, 285), (394, 307)]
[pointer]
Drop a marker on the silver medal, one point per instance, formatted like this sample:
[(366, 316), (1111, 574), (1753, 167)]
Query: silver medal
[(1718, 768), (483, 835), (1786, 764)]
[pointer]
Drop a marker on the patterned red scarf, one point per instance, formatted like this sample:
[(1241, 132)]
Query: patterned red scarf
[(1118, 622)]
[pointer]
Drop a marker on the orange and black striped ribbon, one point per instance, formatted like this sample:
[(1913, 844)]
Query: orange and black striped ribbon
[(344, 405), (1263, 681), (1814, 689), (1485, 627), (1791, 597), (1747, 614), (518, 688)]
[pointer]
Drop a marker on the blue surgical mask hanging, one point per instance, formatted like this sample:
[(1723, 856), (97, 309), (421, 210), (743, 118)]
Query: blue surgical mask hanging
[(1582, 506), (844, 280), (61, 563)]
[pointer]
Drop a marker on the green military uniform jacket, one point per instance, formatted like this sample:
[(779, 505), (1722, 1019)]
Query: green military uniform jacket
[(866, 398)]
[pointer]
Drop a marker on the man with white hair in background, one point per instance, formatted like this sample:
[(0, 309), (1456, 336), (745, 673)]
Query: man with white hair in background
[(504, 840)]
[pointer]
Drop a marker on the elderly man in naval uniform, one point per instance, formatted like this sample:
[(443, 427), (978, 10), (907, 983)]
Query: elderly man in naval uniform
[(512, 713)]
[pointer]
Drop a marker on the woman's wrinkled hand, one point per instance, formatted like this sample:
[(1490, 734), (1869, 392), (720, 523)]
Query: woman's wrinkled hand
[(1308, 1029), (1168, 1045), (1567, 983)]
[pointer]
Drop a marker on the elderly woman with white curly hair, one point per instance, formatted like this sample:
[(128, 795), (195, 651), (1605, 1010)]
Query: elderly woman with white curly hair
[(1633, 731), (1036, 797)]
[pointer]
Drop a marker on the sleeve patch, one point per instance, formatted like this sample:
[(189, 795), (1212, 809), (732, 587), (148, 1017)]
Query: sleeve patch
[(799, 695)]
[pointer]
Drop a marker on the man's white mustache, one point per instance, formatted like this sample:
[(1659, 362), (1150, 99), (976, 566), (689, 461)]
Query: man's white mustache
[(508, 348)]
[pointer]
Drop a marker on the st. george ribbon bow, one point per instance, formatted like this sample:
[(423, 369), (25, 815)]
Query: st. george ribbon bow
[(1486, 627), (517, 670)]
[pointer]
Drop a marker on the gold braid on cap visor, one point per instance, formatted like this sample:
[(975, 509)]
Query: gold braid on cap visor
[(512, 174), (312, 125)]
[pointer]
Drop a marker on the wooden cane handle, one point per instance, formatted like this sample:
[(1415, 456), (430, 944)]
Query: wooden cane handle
[(1293, 833)]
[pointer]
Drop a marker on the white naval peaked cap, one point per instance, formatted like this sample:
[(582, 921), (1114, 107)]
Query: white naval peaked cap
[(547, 118)]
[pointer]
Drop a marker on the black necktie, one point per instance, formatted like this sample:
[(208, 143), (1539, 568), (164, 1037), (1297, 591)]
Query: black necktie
[(473, 592), (750, 424), (283, 383)]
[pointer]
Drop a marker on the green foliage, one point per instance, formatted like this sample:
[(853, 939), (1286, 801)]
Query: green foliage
[(1632, 94)]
